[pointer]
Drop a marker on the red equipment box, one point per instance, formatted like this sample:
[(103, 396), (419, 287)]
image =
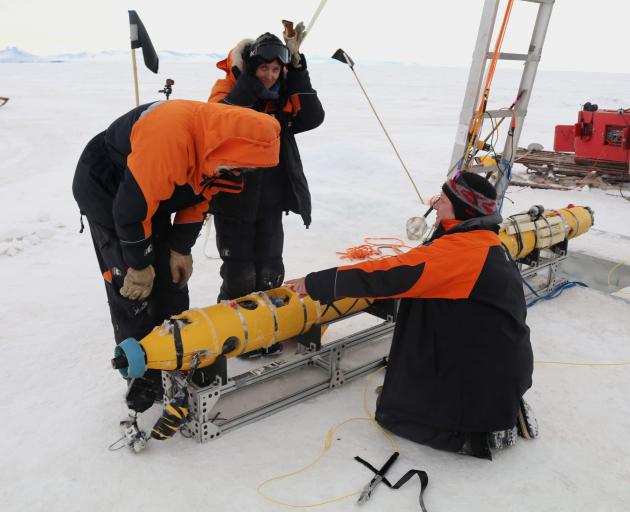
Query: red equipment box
[(599, 135), (564, 139)]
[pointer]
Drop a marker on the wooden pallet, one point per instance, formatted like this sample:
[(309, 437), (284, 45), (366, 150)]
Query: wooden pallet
[(550, 164)]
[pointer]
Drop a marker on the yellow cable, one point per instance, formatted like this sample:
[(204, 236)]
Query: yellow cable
[(571, 363), (328, 442)]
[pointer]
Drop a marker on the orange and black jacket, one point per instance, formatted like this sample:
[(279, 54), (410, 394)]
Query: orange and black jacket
[(297, 109), (162, 157), (461, 356)]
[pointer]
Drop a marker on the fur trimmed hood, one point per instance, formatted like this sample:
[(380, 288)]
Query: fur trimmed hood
[(234, 58)]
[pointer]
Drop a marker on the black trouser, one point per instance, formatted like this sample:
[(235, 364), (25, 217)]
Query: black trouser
[(132, 318), (251, 254), (465, 443)]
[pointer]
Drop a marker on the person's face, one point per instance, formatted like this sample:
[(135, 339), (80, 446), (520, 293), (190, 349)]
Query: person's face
[(268, 73), (443, 208)]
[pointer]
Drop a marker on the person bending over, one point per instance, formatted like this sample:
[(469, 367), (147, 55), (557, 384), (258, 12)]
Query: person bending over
[(160, 159)]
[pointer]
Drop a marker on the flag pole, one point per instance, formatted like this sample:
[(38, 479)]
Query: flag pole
[(140, 39), (135, 75)]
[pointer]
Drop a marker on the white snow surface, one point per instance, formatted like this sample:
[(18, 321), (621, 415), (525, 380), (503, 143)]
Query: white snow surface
[(62, 402)]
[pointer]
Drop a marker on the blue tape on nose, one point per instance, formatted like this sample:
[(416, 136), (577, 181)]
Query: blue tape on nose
[(135, 358)]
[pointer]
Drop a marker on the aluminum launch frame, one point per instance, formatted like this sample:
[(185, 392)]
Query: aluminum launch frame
[(283, 382)]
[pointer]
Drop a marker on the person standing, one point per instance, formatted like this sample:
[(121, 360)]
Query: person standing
[(160, 159), (461, 357), (271, 77)]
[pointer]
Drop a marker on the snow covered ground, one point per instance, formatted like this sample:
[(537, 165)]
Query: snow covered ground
[(61, 401)]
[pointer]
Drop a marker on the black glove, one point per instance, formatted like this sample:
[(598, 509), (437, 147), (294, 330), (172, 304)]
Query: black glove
[(246, 91), (250, 64)]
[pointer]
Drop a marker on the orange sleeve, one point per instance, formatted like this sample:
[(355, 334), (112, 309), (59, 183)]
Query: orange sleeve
[(159, 160), (448, 268), (220, 90), (194, 213)]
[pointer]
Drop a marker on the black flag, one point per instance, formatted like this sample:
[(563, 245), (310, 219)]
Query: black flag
[(140, 39)]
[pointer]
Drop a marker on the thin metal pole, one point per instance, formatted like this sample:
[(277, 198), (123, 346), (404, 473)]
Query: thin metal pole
[(135, 75), (315, 16), (387, 135)]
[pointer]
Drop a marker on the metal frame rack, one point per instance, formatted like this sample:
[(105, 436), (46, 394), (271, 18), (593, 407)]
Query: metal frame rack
[(480, 58)]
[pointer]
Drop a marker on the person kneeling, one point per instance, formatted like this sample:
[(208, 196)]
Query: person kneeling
[(461, 357)]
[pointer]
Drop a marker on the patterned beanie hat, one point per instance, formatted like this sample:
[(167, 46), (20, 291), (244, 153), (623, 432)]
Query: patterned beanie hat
[(472, 195)]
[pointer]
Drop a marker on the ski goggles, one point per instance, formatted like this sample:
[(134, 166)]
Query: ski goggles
[(270, 52)]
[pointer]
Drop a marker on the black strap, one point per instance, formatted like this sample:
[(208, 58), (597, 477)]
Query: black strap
[(206, 182), (331, 305), (424, 481), (519, 236), (351, 306), (369, 466), (179, 346), (422, 475)]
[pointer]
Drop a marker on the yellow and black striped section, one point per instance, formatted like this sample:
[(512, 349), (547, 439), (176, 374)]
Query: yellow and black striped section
[(238, 326), (173, 418)]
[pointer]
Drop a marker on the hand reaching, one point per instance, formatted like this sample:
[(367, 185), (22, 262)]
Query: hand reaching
[(298, 286), (294, 42)]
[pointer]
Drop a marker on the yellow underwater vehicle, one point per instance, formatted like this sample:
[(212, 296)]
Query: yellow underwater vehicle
[(260, 319)]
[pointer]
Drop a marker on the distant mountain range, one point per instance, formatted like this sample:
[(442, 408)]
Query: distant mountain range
[(13, 54)]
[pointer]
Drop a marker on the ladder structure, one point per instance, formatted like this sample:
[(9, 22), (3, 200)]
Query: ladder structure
[(478, 69)]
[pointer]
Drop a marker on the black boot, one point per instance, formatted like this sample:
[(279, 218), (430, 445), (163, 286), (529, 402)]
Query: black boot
[(144, 391)]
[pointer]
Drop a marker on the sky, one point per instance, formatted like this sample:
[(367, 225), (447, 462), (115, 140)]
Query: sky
[(583, 35)]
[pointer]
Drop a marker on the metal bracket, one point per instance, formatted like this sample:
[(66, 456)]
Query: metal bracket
[(541, 270), (385, 309), (310, 341)]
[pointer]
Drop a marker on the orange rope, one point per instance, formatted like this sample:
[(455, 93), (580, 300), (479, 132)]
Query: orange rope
[(360, 252), (372, 248)]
